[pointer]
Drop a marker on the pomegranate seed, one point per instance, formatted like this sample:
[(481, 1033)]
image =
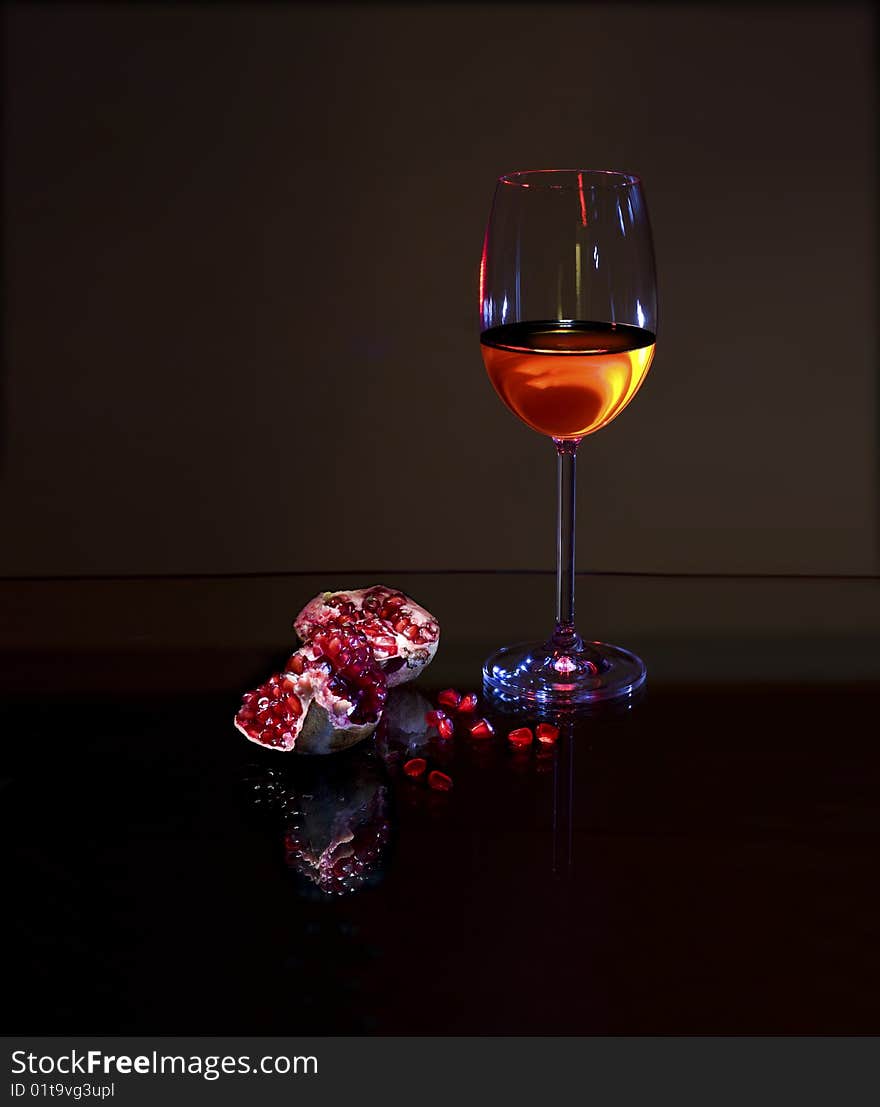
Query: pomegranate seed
[(440, 782), (482, 728), (468, 704), (415, 767), (294, 704), (521, 737), (435, 718), (411, 632), (445, 728), (449, 697), (297, 664), (547, 733)]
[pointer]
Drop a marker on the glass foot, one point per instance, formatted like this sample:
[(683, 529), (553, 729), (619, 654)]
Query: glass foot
[(538, 673)]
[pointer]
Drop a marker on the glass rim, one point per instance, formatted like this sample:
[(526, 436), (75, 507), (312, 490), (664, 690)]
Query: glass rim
[(616, 178)]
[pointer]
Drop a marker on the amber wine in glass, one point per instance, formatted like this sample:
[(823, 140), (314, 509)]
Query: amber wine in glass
[(568, 313)]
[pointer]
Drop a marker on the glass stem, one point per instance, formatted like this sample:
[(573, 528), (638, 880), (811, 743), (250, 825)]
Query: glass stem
[(565, 637)]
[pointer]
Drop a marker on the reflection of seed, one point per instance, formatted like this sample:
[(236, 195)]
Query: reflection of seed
[(440, 782), (415, 767), (547, 733)]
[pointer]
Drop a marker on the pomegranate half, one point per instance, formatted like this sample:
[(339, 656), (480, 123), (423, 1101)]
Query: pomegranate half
[(402, 634), (329, 697)]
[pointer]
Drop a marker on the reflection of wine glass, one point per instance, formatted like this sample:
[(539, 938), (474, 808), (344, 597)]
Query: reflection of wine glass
[(568, 317)]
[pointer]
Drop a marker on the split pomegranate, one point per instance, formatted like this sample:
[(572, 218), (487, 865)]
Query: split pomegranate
[(402, 635), (329, 697)]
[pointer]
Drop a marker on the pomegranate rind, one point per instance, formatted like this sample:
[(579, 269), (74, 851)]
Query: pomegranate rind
[(401, 661)]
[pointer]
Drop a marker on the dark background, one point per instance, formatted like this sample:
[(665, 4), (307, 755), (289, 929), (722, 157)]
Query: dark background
[(241, 247)]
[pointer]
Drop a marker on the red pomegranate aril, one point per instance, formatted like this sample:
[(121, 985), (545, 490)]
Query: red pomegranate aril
[(297, 665), (400, 626), (415, 767), (445, 728), (547, 733), (521, 737), (482, 728), (294, 704), (434, 718), (468, 704), (449, 698), (440, 782)]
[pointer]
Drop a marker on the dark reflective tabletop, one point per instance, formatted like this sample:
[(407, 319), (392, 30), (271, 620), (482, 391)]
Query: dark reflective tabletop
[(704, 861)]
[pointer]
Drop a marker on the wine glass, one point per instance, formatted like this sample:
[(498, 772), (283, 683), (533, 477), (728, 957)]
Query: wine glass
[(568, 320)]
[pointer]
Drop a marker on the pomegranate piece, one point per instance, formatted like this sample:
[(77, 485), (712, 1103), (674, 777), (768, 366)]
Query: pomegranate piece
[(468, 704), (435, 718), (547, 733), (449, 698), (402, 635), (440, 782), (445, 728), (329, 697), (520, 738), (482, 728), (415, 767)]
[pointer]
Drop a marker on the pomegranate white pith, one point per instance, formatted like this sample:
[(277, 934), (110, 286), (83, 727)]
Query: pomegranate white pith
[(402, 634), (329, 697)]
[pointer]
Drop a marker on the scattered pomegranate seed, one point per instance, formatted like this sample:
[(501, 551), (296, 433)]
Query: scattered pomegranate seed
[(468, 704), (449, 697), (445, 728), (435, 718), (482, 728), (297, 664), (440, 782), (521, 737), (415, 767), (547, 733)]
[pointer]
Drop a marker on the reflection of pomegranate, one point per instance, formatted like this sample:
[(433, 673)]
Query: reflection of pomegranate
[(329, 697), (333, 814), (402, 635)]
